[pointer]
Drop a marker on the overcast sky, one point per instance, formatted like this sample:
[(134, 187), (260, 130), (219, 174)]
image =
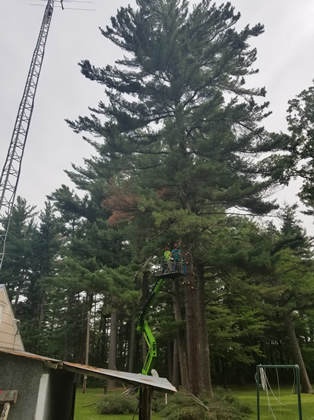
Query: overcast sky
[(285, 61)]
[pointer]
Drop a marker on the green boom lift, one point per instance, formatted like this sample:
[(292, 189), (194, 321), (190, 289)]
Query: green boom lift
[(178, 271)]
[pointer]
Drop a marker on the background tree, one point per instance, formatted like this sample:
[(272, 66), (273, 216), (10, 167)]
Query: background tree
[(17, 269), (291, 282), (297, 161)]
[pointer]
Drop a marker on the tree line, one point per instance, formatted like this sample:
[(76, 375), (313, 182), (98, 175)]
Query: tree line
[(180, 156)]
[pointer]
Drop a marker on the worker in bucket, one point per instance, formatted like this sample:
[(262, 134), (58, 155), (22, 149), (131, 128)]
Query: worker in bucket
[(176, 255)]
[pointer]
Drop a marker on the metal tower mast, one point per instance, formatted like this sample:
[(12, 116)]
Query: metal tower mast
[(12, 167)]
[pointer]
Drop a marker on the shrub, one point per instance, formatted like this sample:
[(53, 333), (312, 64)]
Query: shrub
[(117, 404), (228, 406), (158, 402)]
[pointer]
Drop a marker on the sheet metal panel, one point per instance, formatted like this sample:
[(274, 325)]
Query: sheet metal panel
[(137, 379)]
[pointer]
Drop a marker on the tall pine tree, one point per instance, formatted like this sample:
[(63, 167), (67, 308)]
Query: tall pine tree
[(180, 124)]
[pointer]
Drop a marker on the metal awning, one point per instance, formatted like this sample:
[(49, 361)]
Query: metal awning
[(137, 379)]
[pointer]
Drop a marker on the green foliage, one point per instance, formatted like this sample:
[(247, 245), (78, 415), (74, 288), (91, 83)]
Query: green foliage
[(117, 404), (181, 74), (19, 259), (182, 405), (297, 161), (222, 406), (184, 69)]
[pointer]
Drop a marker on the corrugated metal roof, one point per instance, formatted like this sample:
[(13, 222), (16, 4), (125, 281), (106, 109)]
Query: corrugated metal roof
[(159, 384)]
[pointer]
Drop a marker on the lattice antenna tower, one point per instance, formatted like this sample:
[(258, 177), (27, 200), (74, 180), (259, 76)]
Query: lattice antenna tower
[(12, 168)]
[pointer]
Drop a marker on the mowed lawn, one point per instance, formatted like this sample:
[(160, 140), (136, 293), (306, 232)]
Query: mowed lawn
[(85, 409), (284, 405)]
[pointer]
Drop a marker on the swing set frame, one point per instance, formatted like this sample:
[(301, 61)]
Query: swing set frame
[(297, 375)]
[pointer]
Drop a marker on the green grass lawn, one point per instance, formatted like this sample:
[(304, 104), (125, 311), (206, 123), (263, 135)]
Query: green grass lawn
[(86, 410), (288, 410), (83, 409)]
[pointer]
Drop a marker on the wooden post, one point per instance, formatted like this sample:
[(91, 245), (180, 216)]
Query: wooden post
[(145, 406), (6, 398), (86, 350), (5, 411)]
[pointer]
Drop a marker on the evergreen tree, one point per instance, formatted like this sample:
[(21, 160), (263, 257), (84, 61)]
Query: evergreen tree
[(185, 71), (46, 249), (97, 256), (301, 127), (297, 161), (292, 282), (18, 268), (279, 266)]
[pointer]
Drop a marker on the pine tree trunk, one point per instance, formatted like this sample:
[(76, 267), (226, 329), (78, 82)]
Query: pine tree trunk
[(102, 339), (175, 379), (170, 358), (193, 335), (132, 340), (204, 346), (224, 372), (281, 358), (112, 346), (107, 337), (297, 355), (41, 311), (16, 299), (145, 290), (181, 342), (67, 349)]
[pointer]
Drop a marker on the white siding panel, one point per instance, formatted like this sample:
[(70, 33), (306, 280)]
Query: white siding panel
[(9, 335)]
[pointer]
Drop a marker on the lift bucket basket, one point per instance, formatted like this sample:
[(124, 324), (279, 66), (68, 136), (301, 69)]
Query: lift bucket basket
[(170, 268)]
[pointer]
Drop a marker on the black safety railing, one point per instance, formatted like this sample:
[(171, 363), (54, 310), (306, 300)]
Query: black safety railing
[(172, 267)]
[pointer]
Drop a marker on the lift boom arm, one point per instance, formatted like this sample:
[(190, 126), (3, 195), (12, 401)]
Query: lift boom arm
[(147, 333)]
